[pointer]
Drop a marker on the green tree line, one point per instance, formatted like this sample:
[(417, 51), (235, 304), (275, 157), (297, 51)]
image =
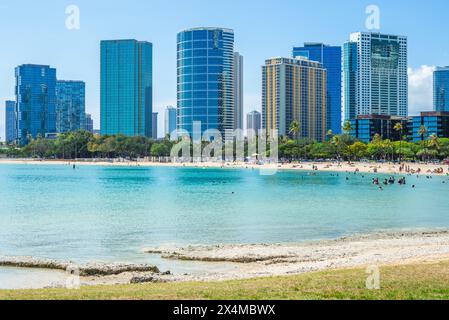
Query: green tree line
[(83, 144)]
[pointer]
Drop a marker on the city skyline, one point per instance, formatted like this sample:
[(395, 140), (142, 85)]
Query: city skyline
[(77, 57)]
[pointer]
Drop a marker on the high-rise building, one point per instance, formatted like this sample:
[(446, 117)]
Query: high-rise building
[(126, 87), (238, 91), (154, 125), (36, 101), (441, 89), (254, 121), (70, 106), (330, 58), (295, 90), (170, 122), (89, 123), (375, 76), (349, 81), (205, 79), (10, 122)]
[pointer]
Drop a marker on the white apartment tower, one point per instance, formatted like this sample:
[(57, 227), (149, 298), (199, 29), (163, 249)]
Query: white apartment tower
[(375, 79)]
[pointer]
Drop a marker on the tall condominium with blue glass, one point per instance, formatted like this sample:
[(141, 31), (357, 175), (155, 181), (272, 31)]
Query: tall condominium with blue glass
[(70, 106), (36, 101), (170, 122), (441, 89), (126, 82), (205, 79), (10, 122), (330, 58)]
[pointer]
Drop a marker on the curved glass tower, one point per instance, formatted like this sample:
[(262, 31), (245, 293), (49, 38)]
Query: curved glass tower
[(205, 79)]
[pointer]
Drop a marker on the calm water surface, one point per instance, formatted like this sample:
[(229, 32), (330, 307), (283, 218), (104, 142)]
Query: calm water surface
[(111, 213)]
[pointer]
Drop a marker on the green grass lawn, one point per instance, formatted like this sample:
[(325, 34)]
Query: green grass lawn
[(414, 281)]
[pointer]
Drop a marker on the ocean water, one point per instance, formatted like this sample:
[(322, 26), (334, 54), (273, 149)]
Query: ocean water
[(109, 214)]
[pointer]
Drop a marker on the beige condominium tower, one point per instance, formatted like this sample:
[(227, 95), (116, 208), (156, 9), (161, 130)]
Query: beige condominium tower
[(294, 90)]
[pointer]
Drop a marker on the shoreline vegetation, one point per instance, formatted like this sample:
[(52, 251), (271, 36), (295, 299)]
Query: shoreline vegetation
[(344, 147), (263, 260)]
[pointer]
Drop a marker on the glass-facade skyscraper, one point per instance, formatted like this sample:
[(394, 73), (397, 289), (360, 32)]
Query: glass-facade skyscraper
[(170, 122), (238, 91), (36, 101), (126, 87), (154, 120), (254, 121), (441, 89), (89, 123), (349, 83), (70, 106), (10, 122), (330, 58), (205, 79), (375, 76)]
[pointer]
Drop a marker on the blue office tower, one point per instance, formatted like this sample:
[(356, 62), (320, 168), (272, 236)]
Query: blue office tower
[(126, 83), (441, 89), (70, 106), (10, 122), (350, 69), (170, 122), (330, 57), (36, 101), (205, 79)]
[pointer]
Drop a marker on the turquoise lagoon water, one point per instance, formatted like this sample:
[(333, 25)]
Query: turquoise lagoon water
[(112, 213)]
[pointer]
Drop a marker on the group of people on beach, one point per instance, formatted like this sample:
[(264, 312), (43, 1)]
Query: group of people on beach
[(408, 169)]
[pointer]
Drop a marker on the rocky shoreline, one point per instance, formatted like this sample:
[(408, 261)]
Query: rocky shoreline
[(261, 260), (87, 270), (254, 253)]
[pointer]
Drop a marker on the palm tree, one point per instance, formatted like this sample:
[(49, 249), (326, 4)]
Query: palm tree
[(399, 128), (347, 128), (336, 141), (423, 132), (295, 129), (434, 142), (329, 134)]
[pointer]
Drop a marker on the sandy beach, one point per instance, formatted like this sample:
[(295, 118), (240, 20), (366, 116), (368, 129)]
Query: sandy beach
[(362, 167), (266, 260)]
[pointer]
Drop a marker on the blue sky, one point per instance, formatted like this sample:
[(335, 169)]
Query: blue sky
[(35, 32)]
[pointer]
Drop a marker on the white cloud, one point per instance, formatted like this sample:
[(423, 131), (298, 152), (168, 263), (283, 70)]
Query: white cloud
[(420, 89)]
